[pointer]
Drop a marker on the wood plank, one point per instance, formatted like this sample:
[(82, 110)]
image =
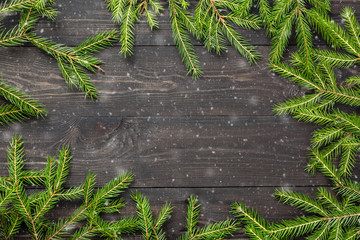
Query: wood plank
[(175, 152), (153, 83)]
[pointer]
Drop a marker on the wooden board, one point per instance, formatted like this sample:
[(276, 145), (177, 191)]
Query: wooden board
[(215, 137), (176, 152), (153, 83)]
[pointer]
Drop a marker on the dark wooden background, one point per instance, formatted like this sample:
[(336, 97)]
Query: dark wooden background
[(215, 137)]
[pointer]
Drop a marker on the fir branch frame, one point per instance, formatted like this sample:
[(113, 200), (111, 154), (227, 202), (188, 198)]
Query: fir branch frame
[(319, 160)]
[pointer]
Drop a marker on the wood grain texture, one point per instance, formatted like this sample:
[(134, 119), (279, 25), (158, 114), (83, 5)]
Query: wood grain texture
[(215, 137), (77, 22), (154, 83), (176, 152)]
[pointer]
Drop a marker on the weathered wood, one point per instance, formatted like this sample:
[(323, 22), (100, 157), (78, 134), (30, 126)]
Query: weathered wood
[(215, 137), (77, 22), (175, 152), (152, 83)]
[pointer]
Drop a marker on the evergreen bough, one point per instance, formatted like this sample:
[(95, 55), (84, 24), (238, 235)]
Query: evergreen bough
[(285, 15), (73, 62), (331, 214), (22, 206), (19, 206), (212, 22), (19, 107), (152, 229)]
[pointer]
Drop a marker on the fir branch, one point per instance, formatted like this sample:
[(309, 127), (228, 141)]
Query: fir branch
[(265, 14), (10, 224), (127, 29), (285, 15), (96, 43), (347, 160), (325, 136), (340, 136), (33, 177), (72, 193), (281, 38), (280, 10), (164, 215), (335, 59), (300, 201), (72, 61), (125, 225), (240, 44), (89, 188), (218, 230), (328, 200), (212, 22), (10, 113), (15, 155), (57, 230), (146, 221), (151, 18), (352, 25), (150, 228), (295, 76), (292, 106), (22, 101), (15, 5), (318, 161), (183, 42), (112, 206), (83, 233), (218, 22), (250, 218), (113, 188), (332, 33), (12, 37), (18, 206), (192, 215), (304, 40), (348, 189), (321, 5), (353, 80)]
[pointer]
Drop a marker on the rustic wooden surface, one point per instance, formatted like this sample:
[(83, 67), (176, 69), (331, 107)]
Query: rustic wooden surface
[(215, 137)]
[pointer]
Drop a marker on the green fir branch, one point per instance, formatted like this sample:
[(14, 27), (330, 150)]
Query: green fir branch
[(15, 5), (71, 61), (337, 37), (336, 145), (212, 22), (18, 206), (219, 230), (182, 40)]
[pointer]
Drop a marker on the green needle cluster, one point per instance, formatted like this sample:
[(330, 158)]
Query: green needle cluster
[(213, 22), (327, 102), (73, 62)]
